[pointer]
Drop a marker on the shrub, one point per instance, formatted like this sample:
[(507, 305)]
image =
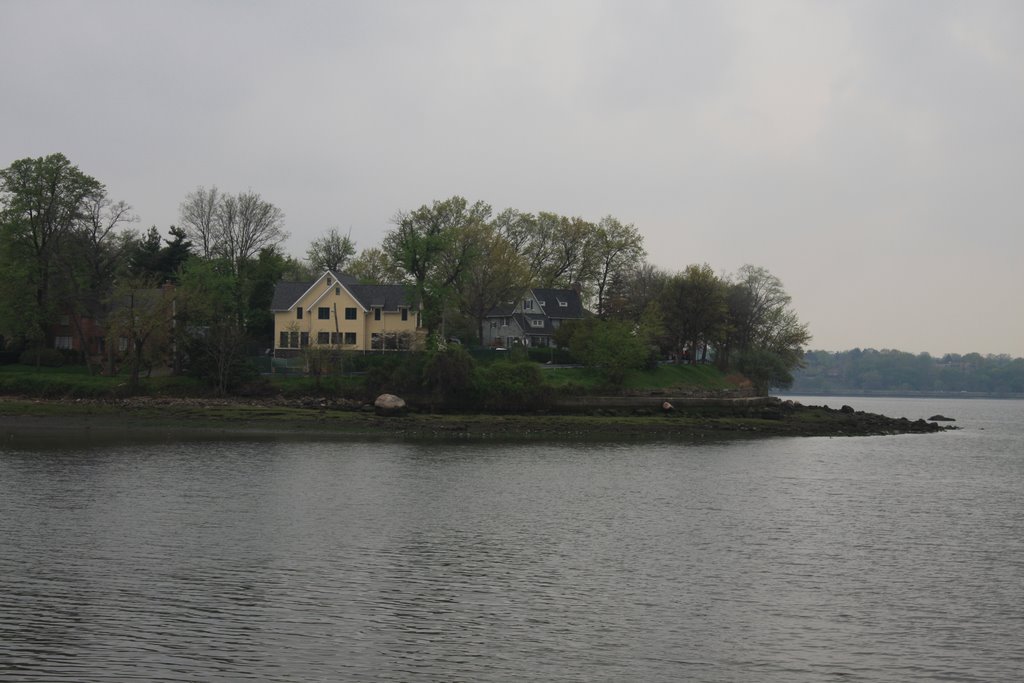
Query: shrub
[(450, 376), (47, 358), (508, 386)]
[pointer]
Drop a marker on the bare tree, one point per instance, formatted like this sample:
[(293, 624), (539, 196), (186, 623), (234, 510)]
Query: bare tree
[(198, 215), (332, 251), (247, 224)]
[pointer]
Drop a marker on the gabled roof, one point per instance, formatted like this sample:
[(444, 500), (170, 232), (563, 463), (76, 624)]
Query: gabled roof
[(551, 298), (387, 297)]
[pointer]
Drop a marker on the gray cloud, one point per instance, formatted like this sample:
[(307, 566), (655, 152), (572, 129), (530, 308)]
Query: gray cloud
[(867, 153)]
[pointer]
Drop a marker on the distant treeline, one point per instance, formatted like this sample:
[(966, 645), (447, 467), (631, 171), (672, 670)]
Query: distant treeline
[(890, 370)]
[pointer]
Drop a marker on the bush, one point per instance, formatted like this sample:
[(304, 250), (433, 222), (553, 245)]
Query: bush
[(450, 376), (47, 358), (508, 386), (395, 374)]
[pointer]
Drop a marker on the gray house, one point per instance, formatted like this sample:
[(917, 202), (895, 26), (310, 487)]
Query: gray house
[(532, 319)]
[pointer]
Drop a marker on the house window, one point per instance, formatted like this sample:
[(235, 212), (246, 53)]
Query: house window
[(337, 291), (376, 314), (122, 344), (405, 314), (494, 324), (329, 282), (293, 340), (323, 337), (298, 313), (303, 339), (350, 314), (563, 304), (504, 322), (350, 338), (539, 322), (323, 313), (62, 342), (283, 342), (527, 304), (335, 338)]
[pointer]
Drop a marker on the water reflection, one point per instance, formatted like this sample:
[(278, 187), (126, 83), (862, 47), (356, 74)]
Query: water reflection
[(888, 558)]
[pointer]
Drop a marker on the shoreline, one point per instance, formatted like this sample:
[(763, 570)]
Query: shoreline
[(172, 418)]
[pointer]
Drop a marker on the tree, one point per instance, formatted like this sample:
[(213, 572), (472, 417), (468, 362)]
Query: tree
[(695, 306), (433, 249), (198, 213), (331, 251), (161, 262), (496, 274), (611, 346), (234, 227), (615, 248), (141, 313), (247, 224), (43, 201), (567, 248), (373, 266), (760, 318), (212, 322)]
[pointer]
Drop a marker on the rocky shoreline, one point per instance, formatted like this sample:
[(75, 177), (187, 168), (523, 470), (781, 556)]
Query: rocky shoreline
[(325, 416)]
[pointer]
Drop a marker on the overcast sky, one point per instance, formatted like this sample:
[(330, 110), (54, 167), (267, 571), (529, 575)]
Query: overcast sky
[(869, 154)]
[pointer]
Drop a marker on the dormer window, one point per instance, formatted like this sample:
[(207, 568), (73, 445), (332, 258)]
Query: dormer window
[(563, 304), (542, 304)]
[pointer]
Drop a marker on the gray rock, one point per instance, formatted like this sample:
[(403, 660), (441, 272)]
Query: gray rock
[(389, 405)]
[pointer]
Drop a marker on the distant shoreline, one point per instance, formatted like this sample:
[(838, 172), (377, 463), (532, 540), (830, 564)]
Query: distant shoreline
[(882, 393)]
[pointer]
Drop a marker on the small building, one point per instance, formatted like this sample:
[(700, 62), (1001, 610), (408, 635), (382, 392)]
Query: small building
[(335, 311), (532, 319)]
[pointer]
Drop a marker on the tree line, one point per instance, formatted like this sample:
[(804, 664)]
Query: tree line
[(67, 247), (859, 370)]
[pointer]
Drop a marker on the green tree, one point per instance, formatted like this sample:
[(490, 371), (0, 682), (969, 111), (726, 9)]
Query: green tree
[(373, 267), (42, 202), (611, 346), (496, 274), (212, 322), (761, 318), (694, 302), (431, 247), (141, 313), (616, 249)]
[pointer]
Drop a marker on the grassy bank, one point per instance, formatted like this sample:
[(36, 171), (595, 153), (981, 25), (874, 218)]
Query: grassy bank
[(77, 382)]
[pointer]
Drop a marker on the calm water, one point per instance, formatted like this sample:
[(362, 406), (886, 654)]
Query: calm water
[(879, 558)]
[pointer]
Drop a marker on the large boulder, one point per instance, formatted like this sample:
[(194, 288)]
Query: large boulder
[(389, 405)]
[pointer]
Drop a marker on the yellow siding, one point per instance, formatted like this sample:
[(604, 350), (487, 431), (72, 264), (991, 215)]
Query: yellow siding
[(336, 299)]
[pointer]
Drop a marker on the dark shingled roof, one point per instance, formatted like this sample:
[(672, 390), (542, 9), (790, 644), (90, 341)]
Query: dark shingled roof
[(551, 297), (388, 297), (287, 293)]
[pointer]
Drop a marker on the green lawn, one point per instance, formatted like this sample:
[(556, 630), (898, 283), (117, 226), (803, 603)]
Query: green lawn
[(664, 378), (76, 382)]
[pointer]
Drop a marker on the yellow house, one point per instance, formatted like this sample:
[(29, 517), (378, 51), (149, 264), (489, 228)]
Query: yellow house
[(335, 311)]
